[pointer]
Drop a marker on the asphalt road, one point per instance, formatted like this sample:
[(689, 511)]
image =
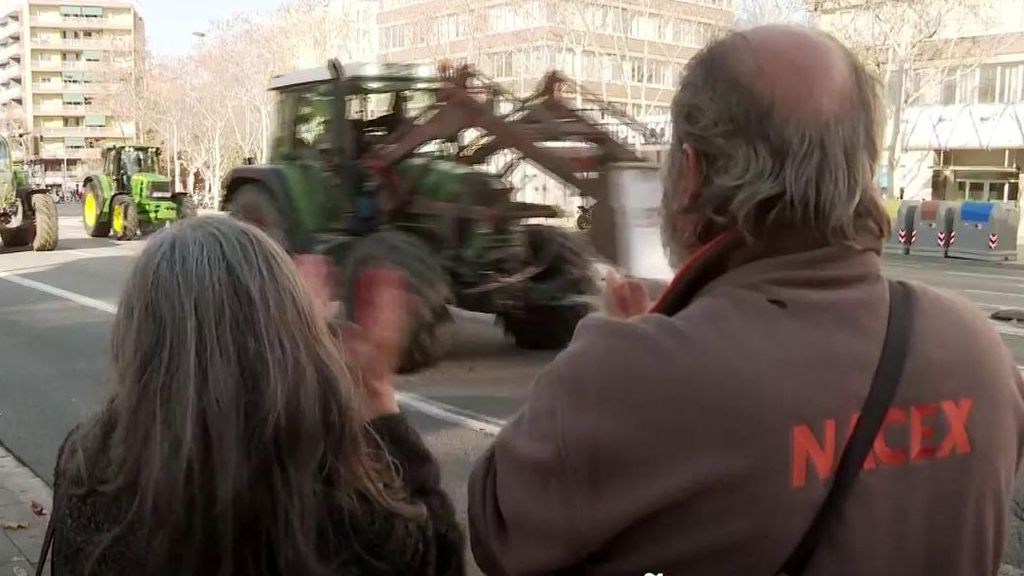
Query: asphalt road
[(56, 311)]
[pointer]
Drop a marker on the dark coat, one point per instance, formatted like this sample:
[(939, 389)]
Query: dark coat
[(380, 543)]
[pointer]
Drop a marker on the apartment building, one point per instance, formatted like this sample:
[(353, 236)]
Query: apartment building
[(630, 52), (63, 71), (961, 130)]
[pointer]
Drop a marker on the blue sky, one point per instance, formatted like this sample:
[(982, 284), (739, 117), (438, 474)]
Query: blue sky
[(170, 23)]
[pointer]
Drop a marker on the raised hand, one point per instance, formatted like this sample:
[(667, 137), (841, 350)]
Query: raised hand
[(624, 297), (373, 342)]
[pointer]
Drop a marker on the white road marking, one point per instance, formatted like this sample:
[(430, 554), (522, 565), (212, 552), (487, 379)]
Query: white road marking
[(1003, 277), (448, 413), (61, 293), (1003, 328), (438, 410), (993, 293)]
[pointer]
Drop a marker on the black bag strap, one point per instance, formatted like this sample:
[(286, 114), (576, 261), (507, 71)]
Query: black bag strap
[(47, 545), (883, 388)]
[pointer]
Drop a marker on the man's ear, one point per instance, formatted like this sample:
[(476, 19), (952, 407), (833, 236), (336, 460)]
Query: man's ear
[(692, 174)]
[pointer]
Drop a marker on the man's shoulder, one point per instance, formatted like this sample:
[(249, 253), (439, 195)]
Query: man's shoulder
[(943, 307), (606, 349)]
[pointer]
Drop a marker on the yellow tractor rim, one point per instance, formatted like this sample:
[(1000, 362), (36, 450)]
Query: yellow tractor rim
[(117, 219), (89, 210)]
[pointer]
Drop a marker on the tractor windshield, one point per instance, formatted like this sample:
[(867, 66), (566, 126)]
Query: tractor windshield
[(137, 160)]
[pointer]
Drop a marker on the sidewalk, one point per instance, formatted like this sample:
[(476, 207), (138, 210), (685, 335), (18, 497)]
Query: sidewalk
[(23, 531)]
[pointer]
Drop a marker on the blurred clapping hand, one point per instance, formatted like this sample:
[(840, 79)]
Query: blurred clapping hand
[(625, 297), (373, 338)]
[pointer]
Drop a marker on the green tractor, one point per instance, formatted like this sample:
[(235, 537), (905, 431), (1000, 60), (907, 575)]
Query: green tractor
[(28, 213), (130, 196), (450, 225)]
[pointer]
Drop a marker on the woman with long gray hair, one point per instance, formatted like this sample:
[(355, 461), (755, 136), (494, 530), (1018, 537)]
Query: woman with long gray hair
[(236, 440)]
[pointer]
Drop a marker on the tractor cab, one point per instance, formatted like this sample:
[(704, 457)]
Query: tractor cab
[(331, 114), (330, 117), (125, 162)]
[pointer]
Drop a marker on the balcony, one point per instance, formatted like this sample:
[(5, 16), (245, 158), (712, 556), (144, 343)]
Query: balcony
[(58, 177), (48, 87), (71, 66), (68, 110), (10, 52), (47, 65), (12, 28), (81, 44), (12, 93), (59, 153), (59, 87), (12, 72), (84, 65), (85, 131), (54, 21)]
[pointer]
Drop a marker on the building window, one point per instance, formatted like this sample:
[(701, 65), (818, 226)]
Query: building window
[(1010, 84), (515, 16), (987, 84), (452, 27)]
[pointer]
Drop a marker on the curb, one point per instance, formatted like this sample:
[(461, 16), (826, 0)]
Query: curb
[(23, 530)]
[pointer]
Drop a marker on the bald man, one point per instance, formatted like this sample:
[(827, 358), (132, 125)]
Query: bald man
[(701, 436)]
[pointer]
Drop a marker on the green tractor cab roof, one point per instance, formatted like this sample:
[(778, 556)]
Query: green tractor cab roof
[(369, 78)]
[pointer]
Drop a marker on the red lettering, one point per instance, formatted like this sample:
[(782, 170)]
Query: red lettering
[(921, 432), (956, 414), (887, 455), (806, 447)]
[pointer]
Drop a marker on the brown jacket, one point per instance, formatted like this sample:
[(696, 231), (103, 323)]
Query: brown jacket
[(702, 443)]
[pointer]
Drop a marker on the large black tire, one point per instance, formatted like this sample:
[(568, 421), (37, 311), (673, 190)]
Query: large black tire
[(550, 326), (252, 204), (186, 206), (46, 223), (429, 325), (125, 227), (100, 228)]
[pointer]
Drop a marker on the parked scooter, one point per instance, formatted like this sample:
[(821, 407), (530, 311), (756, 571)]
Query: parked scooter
[(585, 218)]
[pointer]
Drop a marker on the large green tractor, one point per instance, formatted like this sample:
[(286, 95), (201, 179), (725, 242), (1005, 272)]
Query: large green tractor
[(452, 227), (130, 196), (28, 213)]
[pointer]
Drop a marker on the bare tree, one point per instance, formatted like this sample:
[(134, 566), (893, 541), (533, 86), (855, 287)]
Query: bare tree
[(758, 12), (913, 46)]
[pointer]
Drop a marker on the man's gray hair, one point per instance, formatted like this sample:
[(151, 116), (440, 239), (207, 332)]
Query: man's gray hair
[(765, 169)]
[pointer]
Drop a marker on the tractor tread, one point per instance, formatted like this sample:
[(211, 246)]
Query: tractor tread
[(130, 230), (550, 326), (46, 235), (430, 324)]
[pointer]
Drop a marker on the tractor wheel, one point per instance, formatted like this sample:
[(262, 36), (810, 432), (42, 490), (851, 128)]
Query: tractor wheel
[(46, 223), (93, 204), (568, 274), (429, 329), (252, 204), (124, 218), (186, 206)]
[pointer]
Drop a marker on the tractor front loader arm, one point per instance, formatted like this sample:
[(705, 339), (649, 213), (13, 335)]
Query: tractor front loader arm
[(462, 111)]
